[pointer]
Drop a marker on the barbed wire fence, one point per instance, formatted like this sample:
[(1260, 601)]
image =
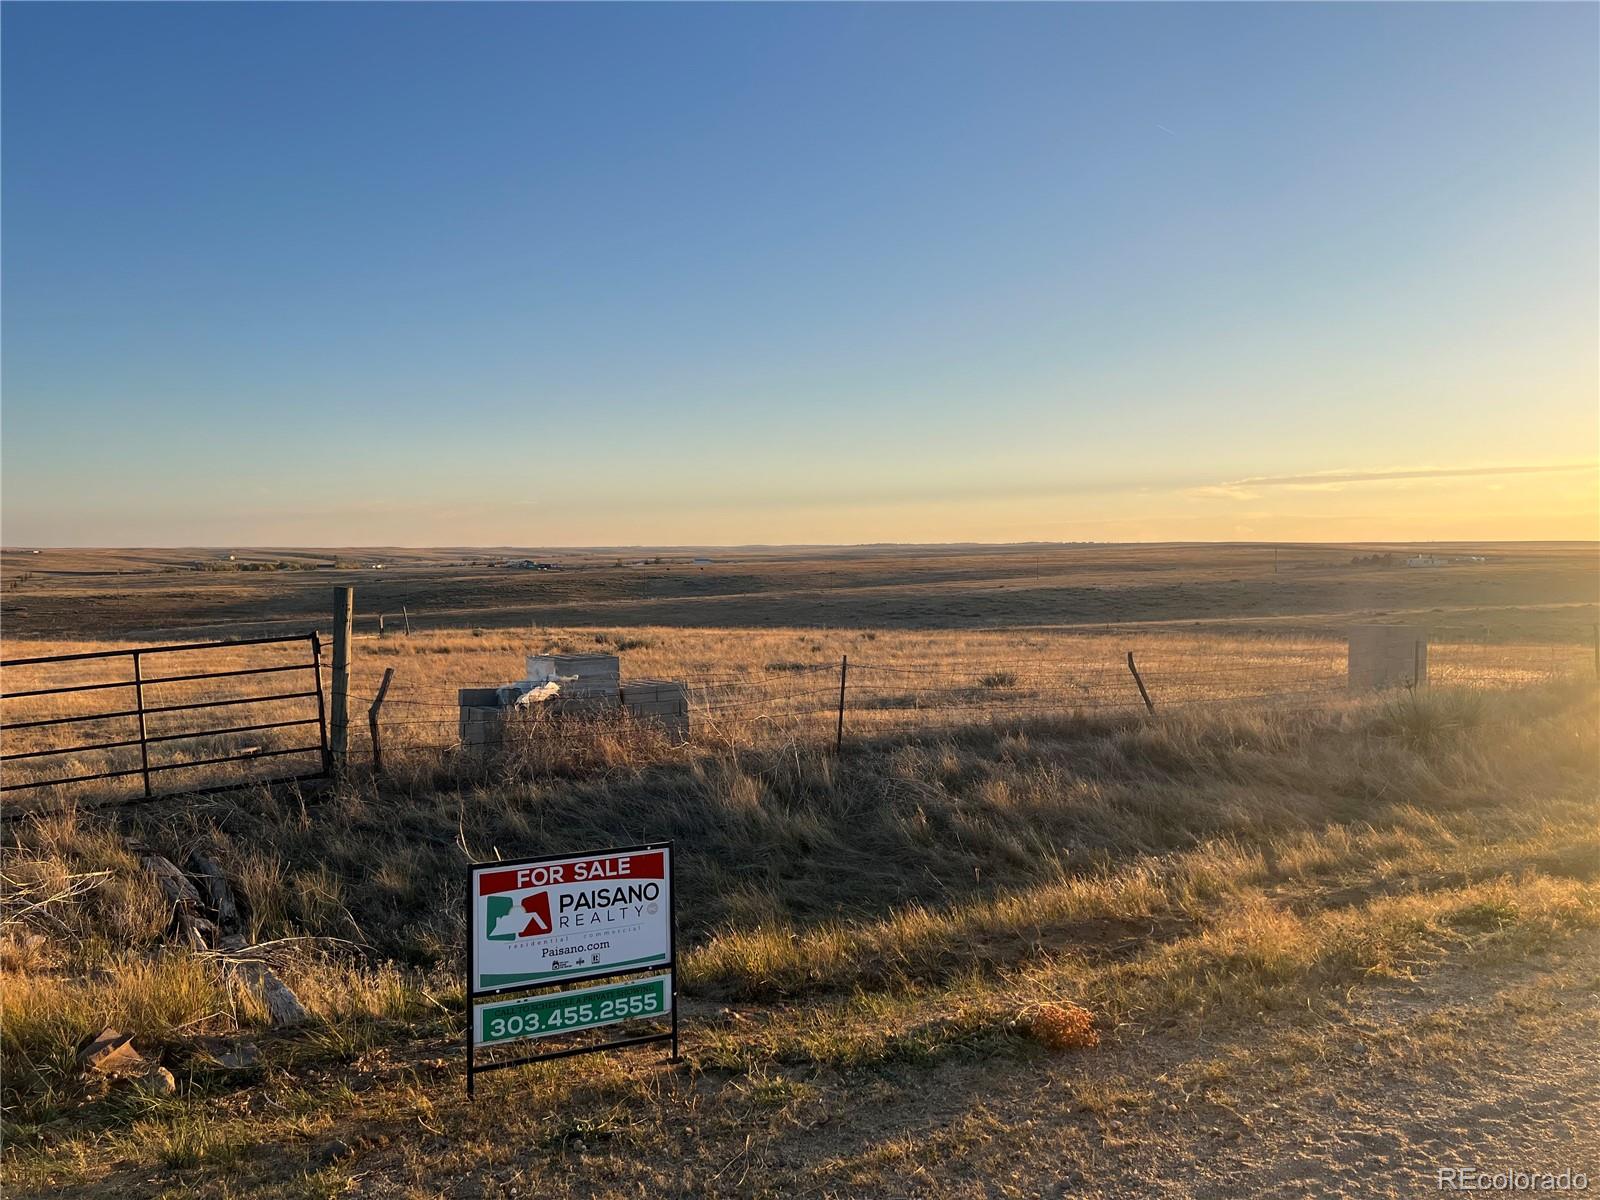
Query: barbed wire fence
[(879, 694), (858, 700)]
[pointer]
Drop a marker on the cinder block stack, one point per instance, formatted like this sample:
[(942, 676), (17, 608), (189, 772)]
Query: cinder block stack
[(590, 683), (483, 717), (583, 685), (1385, 656), (664, 702)]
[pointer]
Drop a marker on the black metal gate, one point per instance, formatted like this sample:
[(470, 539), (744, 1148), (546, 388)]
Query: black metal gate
[(155, 703)]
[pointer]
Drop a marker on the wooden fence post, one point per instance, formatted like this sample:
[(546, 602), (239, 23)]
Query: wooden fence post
[(372, 721), (344, 603), (838, 737), (144, 742), (1143, 694), (322, 703), (406, 617)]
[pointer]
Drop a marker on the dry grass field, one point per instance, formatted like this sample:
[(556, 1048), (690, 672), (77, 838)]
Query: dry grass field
[(746, 688), (1022, 938), (1520, 592)]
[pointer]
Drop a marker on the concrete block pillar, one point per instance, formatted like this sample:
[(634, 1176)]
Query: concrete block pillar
[(483, 718), (1387, 656), (661, 702)]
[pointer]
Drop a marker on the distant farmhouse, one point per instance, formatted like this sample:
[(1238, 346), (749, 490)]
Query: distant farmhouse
[(1435, 560)]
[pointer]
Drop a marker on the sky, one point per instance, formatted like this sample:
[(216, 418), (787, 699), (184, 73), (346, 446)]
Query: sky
[(378, 274)]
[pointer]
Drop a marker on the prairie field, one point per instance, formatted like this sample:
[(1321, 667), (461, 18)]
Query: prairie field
[(1020, 934), (1516, 591), (571, 785), (746, 688)]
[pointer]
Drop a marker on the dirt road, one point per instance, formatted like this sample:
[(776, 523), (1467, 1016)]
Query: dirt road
[(1496, 1070)]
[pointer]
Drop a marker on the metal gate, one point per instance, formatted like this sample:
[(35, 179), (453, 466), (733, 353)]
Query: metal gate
[(149, 737)]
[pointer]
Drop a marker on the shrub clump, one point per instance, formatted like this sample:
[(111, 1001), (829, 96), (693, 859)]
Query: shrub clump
[(1065, 1026)]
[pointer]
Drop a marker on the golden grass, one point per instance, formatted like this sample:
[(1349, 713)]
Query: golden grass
[(895, 907), (747, 687)]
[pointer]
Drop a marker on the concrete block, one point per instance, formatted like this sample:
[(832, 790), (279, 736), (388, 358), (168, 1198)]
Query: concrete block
[(1386, 656), (567, 705), (657, 689), (661, 702), (482, 728), (483, 720), (581, 677), (584, 668)]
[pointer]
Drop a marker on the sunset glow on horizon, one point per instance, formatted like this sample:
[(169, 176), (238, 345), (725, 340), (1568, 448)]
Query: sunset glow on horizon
[(710, 275)]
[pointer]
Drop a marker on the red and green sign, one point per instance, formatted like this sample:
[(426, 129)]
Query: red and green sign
[(570, 918), (549, 922)]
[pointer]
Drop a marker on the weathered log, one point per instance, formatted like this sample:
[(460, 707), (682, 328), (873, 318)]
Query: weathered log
[(283, 1006), (219, 896), (188, 921), (175, 885)]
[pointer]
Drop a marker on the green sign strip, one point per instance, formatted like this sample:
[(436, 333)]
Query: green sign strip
[(565, 1012)]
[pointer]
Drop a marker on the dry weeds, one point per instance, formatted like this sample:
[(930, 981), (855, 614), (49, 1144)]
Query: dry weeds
[(847, 920)]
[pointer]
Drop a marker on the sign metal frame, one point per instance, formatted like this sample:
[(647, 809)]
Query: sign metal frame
[(474, 1068)]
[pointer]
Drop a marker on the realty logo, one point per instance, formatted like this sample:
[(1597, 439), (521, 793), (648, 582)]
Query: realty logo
[(510, 921)]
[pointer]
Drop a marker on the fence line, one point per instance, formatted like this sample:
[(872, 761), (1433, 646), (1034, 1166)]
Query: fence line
[(901, 698), (812, 702)]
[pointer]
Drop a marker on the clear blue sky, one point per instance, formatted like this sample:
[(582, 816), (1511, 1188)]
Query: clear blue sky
[(451, 274)]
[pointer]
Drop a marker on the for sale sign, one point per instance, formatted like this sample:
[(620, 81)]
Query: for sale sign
[(572, 1010), (545, 922), (560, 919)]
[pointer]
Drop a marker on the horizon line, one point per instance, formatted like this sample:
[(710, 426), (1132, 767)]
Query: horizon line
[(680, 546)]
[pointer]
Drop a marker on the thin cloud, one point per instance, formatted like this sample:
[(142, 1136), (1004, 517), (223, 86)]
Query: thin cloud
[(1322, 478), (1412, 472)]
